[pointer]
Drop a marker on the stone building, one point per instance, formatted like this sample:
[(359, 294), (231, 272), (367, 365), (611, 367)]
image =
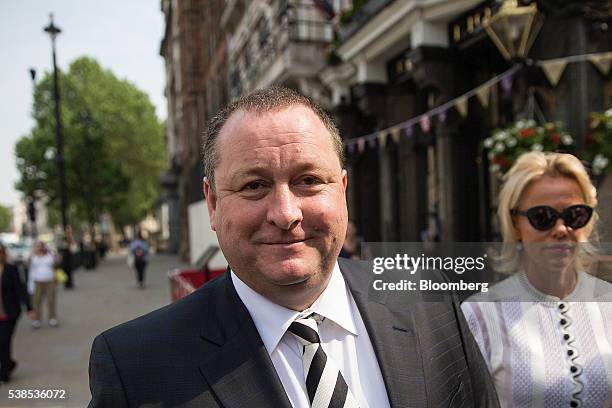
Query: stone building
[(374, 64), (281, 42), (399, 59), (194, 52)]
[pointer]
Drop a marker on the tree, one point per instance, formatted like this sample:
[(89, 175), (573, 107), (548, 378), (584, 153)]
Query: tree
[(5, 219), (113, 146)]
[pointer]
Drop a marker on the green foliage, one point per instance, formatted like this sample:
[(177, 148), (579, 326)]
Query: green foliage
[(113, 146), (347, 16), (598, 142), (5, 219)]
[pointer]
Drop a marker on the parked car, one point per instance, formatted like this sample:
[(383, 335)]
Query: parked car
[(19, 252)]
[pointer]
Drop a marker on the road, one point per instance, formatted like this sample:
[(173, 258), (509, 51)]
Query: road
[(57, 358)]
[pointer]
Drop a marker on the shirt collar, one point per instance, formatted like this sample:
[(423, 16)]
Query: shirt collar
[(272, 320)]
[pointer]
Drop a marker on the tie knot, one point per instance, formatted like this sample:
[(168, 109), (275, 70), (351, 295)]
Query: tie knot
[(305, 329)]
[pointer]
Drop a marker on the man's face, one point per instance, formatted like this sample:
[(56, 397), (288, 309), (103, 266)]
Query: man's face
[(279, 206)]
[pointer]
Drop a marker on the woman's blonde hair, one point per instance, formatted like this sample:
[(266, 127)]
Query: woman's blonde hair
[(528, 168)]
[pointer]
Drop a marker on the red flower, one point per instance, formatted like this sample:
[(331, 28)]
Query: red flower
[(501, 160), (555, 138), (528, 132), (588, 138)]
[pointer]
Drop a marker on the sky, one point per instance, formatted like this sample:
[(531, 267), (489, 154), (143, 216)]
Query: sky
[(123, 36)]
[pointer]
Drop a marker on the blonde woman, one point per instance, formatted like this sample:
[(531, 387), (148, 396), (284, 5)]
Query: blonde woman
[(546, 332)]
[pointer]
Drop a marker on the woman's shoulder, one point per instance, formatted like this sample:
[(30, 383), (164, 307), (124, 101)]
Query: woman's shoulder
[(601, 289), (507, 290)]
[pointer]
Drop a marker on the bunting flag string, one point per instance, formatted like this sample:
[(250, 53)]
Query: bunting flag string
[(553, 69), (420, 120)]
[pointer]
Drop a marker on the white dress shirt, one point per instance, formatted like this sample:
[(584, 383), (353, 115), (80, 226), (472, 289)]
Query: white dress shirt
[(343, 337)]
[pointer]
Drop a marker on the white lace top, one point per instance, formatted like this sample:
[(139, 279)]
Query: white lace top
[(543, 351)]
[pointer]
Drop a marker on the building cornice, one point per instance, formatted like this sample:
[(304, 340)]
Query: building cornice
[(396, 20)]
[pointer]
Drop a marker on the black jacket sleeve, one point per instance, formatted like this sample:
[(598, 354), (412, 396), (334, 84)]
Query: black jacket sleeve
[(22, 290), (104, 381)]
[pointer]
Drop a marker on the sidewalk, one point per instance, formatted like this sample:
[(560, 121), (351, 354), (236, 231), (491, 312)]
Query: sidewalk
[(58, 358)]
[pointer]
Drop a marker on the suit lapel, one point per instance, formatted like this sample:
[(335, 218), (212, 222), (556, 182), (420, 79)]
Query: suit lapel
[(240, 373), (393, 337)]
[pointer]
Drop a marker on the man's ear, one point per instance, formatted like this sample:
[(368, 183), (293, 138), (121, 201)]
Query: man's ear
[(211, 202), (344, 180)]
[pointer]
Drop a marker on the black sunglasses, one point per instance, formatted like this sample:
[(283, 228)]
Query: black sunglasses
[(543, 217)]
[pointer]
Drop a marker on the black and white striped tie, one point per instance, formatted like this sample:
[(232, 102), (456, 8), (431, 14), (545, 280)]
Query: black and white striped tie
[(324, 382)]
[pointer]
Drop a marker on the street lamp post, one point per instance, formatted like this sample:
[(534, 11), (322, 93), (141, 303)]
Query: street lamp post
[(53, 31), (32, 197)]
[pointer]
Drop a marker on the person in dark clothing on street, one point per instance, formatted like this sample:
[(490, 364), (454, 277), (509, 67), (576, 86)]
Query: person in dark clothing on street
[(67, 259), (12, 294), (139, 249)]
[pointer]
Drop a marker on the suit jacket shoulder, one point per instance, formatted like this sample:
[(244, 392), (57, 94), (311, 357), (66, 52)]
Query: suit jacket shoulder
[(201, 351), (424, 348)]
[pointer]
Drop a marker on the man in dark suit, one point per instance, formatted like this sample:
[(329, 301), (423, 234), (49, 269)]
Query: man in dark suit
[(13, 294), (289, 324)]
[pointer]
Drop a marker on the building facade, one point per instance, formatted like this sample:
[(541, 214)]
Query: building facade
[(399, 59), (194, 52), (375, 64)]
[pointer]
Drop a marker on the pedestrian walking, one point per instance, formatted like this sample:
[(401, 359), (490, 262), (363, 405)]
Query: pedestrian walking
[(42, 275), (67, 251), (139, 250), (12, 295)]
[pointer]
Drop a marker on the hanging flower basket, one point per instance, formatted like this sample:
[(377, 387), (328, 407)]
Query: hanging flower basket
[(505, 145), (598, 143)]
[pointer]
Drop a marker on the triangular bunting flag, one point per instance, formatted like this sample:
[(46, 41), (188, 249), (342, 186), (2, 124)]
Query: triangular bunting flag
[(372, 143), (360, 145), (462, 106), (395, 135), (506, 85), (350, 148), (408, 129), (442, 117), (554, 69), (602, 62), (382, 139), (483, 95), (425, 123)]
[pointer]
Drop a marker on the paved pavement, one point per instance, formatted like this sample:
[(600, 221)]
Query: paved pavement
[(57, 358)]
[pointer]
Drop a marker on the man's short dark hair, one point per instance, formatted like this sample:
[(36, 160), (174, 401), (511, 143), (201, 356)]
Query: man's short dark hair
[(261, 101)]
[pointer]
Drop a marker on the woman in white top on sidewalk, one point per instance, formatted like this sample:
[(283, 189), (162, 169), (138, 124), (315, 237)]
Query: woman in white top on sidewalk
[(42, 263)]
